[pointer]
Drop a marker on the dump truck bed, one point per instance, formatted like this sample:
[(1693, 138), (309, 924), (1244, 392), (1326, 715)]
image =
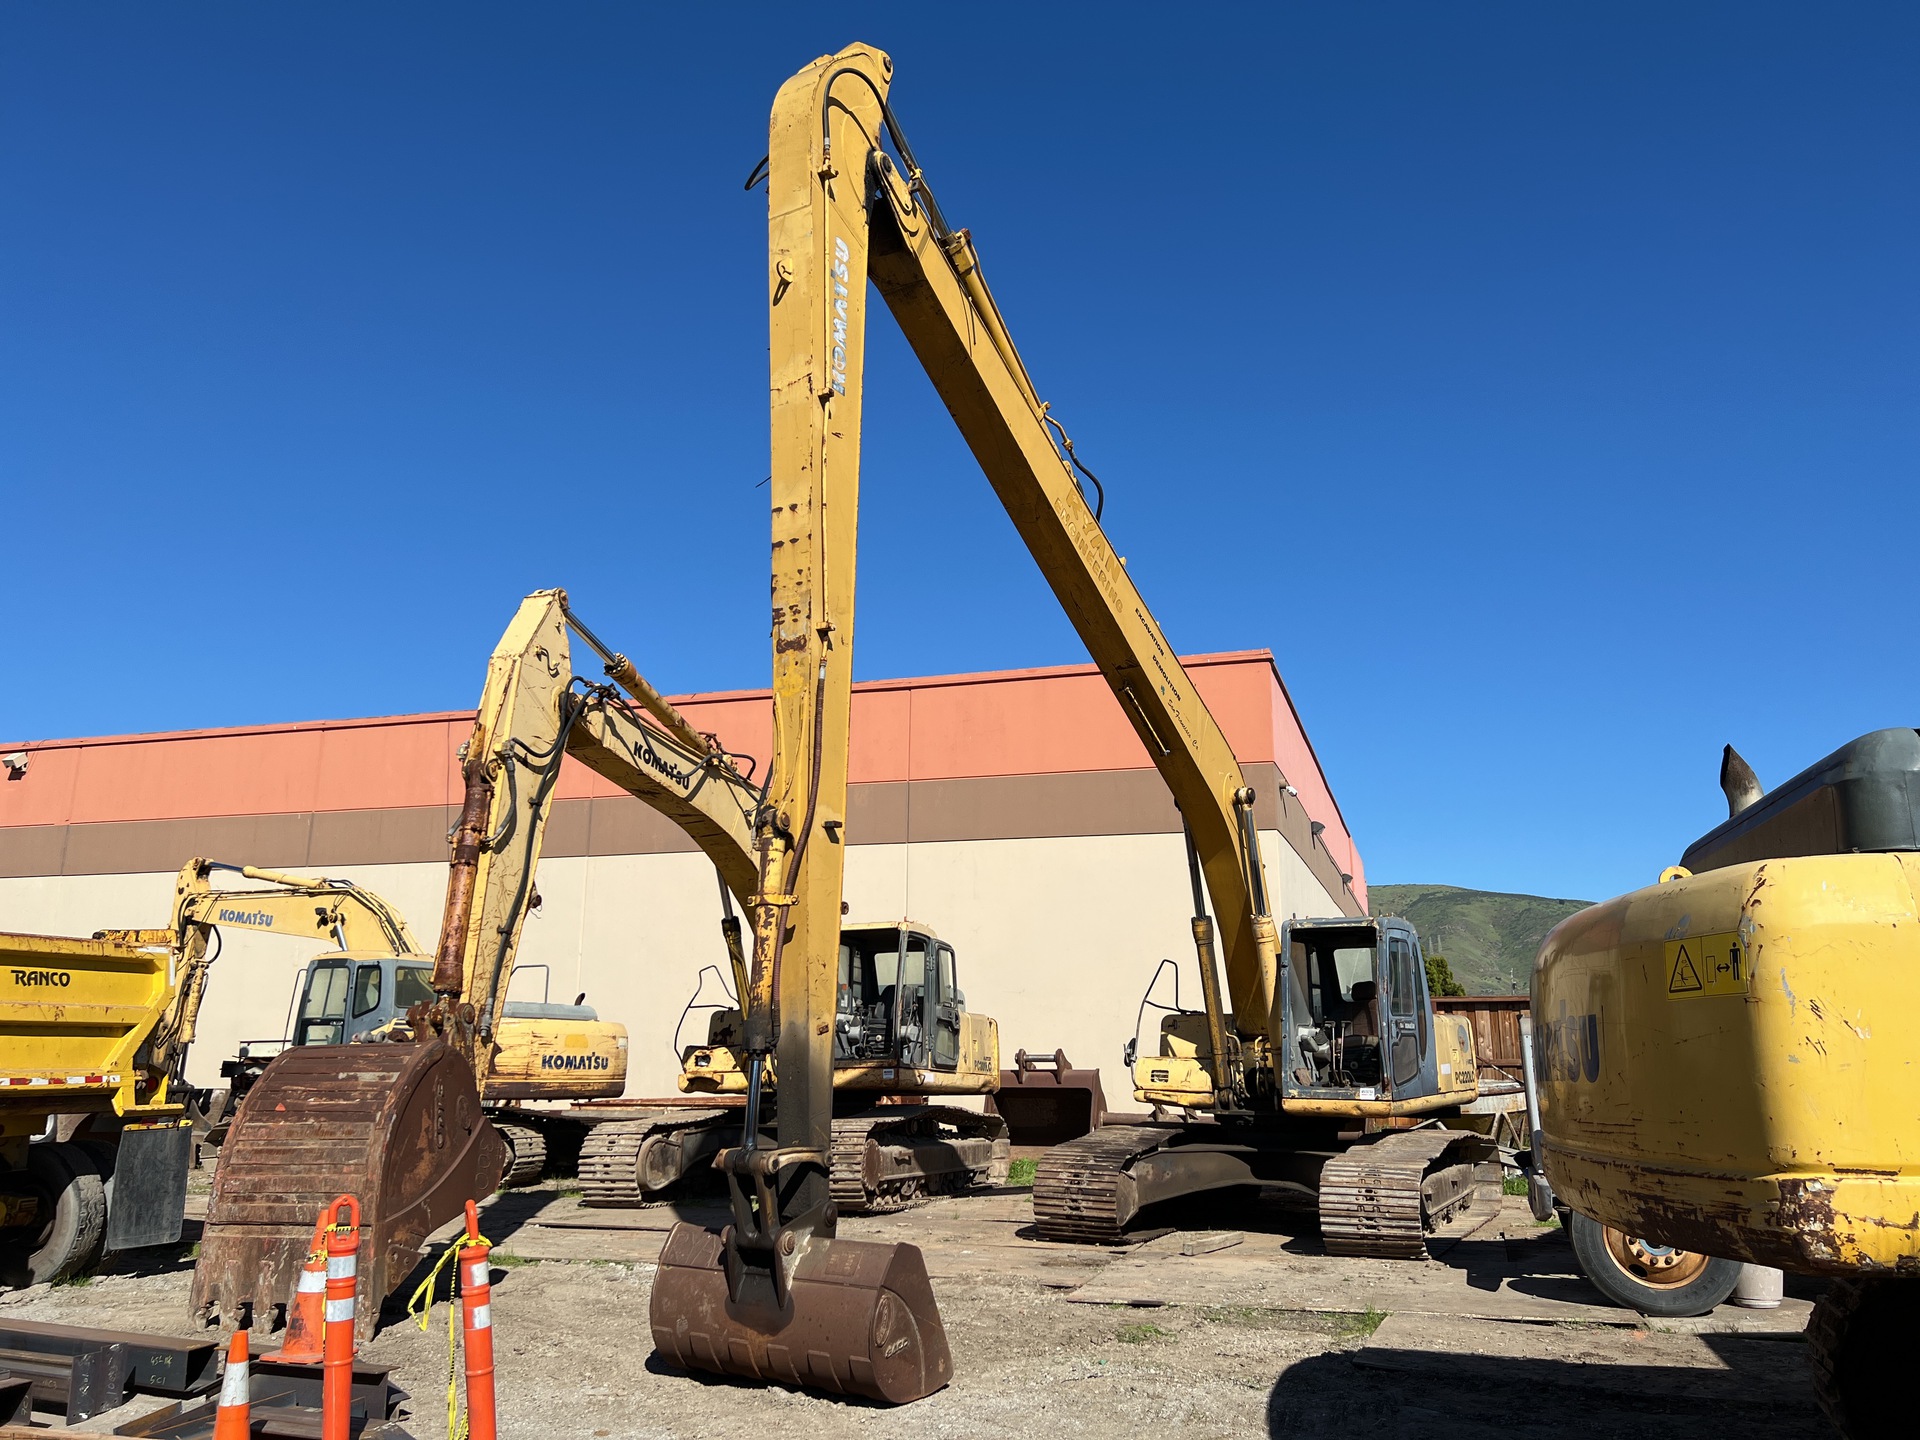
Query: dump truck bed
[(75, 1013)]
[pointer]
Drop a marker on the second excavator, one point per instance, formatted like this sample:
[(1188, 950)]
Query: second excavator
[(379, 1111)]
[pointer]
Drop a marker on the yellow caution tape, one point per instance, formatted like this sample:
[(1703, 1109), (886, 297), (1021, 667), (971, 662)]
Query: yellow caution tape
[(421, 1304)]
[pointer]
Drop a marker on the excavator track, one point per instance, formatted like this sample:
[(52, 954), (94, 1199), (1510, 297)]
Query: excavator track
[(1380, 1198), (610, 1159), (882, 1160), (892, 1156), (1081, 1192), (526, 1155)]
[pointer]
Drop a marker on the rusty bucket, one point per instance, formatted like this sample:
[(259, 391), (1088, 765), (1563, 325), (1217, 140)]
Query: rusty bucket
[(860, 1319), (1045, 1101), (397, 1125)]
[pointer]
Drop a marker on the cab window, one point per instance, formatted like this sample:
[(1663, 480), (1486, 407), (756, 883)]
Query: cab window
[(366, 990), (412, 985), (1406, 991), (326, 997)]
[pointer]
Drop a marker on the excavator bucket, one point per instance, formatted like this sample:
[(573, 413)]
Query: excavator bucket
[(1045, 1101), (859, 1319), (398, 1126)]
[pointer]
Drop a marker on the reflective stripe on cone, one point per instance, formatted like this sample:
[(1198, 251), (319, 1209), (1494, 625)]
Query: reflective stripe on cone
[(231, 1421)]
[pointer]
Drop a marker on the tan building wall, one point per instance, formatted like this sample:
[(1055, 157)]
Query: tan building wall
[(1057, 938), (1060, 890)]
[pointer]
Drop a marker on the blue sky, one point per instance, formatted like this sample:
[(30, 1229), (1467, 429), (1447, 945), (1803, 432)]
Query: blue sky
[(1538, 382)]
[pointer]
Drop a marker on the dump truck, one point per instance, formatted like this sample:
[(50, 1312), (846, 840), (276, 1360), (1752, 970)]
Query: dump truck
[(95, 1134), (1729, 1067)]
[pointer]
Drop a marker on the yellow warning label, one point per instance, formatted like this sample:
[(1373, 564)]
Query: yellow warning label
[(1706, 965)]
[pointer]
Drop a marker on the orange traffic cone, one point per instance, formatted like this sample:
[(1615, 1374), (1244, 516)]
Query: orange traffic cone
[(336, 1371), (476, 1296), (231, 1420), (307, 1315)]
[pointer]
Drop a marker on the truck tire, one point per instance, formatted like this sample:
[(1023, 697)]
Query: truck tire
[(72, 1231), (1861, 1339), (1654, 1279)]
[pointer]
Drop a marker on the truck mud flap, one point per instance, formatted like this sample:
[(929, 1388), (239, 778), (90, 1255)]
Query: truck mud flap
[(147, 1204), (1045, 1101), (860, 1319), (399, 1126)]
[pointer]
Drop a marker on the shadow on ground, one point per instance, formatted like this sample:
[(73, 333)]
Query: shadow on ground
[(1764, 1387)]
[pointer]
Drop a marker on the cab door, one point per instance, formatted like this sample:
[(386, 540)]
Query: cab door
[(945, 1000), (323, 1006), (1406, 996)]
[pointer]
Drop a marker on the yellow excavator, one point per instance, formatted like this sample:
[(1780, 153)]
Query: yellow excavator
[(906, 1028), (361, 990), (402, 1125), (901, 1027), (1329, 1070), (1729, 1067)]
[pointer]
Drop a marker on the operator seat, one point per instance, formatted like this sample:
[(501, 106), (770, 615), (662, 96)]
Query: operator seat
[(1366, 1010)]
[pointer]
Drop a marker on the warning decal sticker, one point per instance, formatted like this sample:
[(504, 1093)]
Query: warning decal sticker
[(1706, 965)]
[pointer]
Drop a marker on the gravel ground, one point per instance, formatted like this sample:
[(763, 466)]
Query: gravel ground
[(575, 1356)]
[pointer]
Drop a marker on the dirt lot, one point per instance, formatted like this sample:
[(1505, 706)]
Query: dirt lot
[(1496, 1334)]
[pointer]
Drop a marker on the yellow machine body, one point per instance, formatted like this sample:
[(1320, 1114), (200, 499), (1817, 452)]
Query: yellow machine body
[(1730, 1061), (718, 1068), (75, 1018), (1181, 1074), (542, 1059)]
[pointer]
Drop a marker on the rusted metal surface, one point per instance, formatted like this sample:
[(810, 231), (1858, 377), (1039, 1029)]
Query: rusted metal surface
[(398, 1126), (1496, 1031), (860, 1319), (469, 838), (1082, 1192), (1046, 1101), (156, 1364), (285, 1401)]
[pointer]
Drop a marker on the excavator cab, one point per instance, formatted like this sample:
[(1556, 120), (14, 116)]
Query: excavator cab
[(1359, 1017), (900, 1024), (898, 1001), (351, 998)]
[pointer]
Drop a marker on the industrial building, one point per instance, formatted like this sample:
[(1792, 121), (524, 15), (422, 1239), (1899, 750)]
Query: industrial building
[(1014, 812)]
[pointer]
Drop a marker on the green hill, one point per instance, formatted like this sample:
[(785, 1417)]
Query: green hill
[(1489, 939)]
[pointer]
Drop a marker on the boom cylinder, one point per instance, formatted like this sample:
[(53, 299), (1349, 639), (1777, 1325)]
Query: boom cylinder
[(469, 838), (1209, 977)]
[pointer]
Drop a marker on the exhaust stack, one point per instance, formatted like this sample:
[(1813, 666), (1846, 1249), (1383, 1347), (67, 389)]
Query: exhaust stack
[(1738, 782)]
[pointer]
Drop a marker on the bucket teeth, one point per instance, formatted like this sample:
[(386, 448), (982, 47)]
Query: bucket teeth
[(398, 1126), (861, 1319)]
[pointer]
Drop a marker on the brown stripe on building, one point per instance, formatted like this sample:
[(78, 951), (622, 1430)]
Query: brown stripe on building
[(1005, 807)]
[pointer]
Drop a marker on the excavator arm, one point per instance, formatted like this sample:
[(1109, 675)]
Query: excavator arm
[(533, 713), (844, 210), (405, 1121), (306, 907)]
